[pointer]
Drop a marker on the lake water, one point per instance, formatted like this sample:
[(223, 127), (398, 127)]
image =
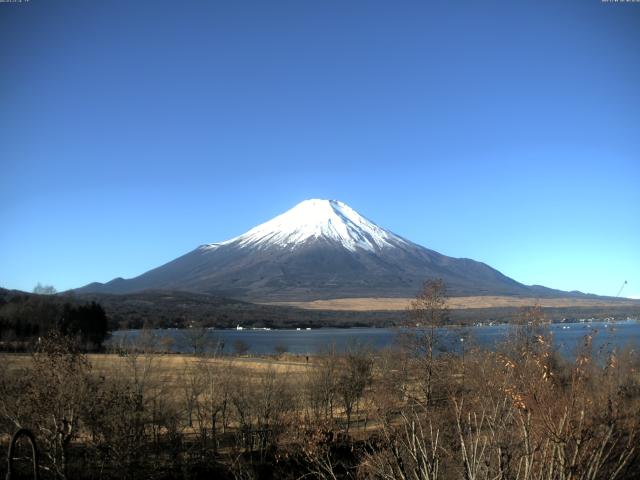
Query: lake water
[(566, 337)]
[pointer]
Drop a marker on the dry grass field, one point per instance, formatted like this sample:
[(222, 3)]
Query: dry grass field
[(398, 304), (170, 368)]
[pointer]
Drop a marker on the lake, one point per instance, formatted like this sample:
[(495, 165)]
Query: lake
[(566, 336)]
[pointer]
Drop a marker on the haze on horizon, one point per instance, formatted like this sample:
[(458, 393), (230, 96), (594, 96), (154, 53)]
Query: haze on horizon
[(131, 132)]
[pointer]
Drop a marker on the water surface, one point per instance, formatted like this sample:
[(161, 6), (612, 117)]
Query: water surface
[(566, 338)]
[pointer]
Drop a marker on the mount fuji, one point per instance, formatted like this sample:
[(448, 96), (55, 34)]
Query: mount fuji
[(319, 249)]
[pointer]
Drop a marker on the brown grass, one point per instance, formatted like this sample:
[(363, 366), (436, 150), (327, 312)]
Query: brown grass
[(398, 304), (169, 368)]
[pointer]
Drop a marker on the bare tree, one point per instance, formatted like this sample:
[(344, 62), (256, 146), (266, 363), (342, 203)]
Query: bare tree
[(321, 385), (44, 289), (527, 328), (199, 339), (191, 384), (213, 396), (354, 376), (427, 312)]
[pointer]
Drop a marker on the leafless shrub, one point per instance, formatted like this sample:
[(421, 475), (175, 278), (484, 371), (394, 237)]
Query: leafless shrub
[(49, 397), (407, 449)]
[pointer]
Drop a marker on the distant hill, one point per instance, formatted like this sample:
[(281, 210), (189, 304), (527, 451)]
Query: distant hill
[(320, 249)]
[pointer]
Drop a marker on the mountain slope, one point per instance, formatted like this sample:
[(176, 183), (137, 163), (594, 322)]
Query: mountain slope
[(317, 250)]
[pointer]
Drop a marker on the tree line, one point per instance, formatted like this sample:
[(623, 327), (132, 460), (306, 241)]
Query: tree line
[(24, 318)]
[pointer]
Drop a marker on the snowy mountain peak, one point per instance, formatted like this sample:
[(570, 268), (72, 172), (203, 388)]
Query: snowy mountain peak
[(320, 249), (328, 220)]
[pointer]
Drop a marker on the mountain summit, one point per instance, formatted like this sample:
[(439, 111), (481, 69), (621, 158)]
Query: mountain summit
[(314, 220), (320, 249)]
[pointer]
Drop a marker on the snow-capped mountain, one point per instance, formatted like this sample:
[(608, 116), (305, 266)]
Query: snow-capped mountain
[(315, 219), (317, 250)]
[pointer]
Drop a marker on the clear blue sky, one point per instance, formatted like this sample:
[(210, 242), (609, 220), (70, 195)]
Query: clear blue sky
[(507, 132)]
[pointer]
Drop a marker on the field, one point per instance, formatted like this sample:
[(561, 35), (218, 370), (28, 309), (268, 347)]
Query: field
[(169, 367), (456, 303)]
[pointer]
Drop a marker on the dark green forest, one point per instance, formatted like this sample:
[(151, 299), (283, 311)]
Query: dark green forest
[(27, 317)]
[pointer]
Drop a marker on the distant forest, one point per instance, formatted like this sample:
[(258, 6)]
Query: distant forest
[(25, 317)]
